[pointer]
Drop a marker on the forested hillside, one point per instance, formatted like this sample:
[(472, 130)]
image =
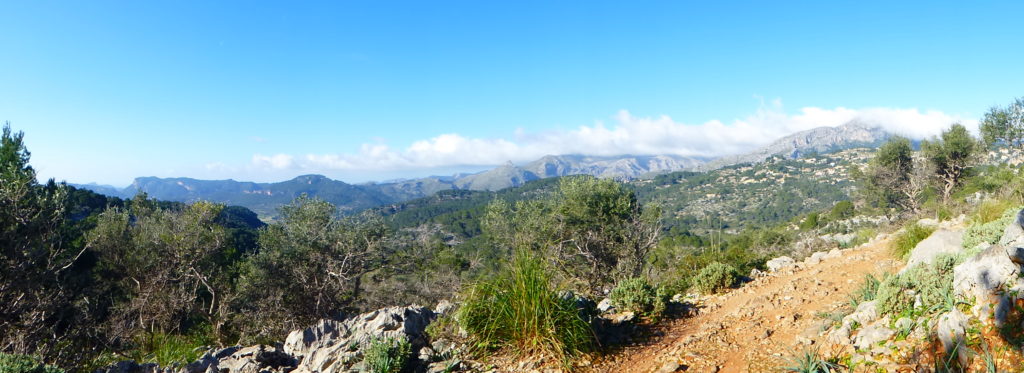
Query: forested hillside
[(89, 280)]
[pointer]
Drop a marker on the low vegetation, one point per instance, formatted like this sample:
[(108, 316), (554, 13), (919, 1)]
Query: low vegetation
[(11, 363), (388, 355), (987, 225), (908, 238), (715, 278), (520, 310), (639, 296), (931, 283)]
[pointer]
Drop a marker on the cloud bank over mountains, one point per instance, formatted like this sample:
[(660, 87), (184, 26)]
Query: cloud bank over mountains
[(627, 134)]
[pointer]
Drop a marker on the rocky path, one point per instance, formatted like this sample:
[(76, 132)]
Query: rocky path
[(760, 326)]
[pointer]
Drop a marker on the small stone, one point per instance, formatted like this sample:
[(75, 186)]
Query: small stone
[(668, 367)]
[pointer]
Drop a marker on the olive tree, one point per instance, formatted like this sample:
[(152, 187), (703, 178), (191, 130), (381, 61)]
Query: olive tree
[(893, 177), (594, 231), (34, 255), (309, 266), (950, 155), (165, 264), (1004, 126)]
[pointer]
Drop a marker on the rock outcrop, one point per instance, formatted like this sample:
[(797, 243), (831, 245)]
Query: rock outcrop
[(336, 346), (779, 263), (329, 346), (942, 241)]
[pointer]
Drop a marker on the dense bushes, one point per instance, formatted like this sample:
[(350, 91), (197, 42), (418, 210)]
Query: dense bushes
[(520, 310), (639, 296), (932, 282), (715, 277), (907, 239)]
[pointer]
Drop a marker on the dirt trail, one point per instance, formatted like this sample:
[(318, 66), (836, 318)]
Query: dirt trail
[(760, 326)]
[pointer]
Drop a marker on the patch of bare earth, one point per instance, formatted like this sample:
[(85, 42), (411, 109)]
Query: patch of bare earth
[(759, 327)]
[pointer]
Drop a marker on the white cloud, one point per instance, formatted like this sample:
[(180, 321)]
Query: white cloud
[(277, 162), (628, 135)]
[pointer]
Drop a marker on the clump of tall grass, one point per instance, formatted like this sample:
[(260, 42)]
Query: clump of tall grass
[(519, 309), (908, 238)]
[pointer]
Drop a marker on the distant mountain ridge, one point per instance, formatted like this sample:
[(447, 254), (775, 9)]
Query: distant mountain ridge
[(265, 198), (817, 140)]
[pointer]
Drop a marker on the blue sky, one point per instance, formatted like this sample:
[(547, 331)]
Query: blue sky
[(368, 90)]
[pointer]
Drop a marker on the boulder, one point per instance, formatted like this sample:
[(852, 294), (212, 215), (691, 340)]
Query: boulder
[(943, 241), (865, 313), (779, 263), (815, 258), (1013, 239), (605, 306), (335, 346), (871, 334), (950, 331), (443, 307), (984, 278)]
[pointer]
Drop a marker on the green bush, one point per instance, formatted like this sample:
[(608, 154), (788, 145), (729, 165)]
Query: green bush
[(519, 309), (842, 210), (638, 296), (24, 364), (985, 229), (908, 238), (809, 222), (387, 355), (932, 282), (715, 277)]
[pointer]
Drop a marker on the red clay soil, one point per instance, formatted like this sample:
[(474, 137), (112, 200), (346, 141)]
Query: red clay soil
[(759, 327)]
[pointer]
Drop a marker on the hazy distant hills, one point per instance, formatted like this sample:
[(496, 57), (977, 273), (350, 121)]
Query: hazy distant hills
[(265, 198)]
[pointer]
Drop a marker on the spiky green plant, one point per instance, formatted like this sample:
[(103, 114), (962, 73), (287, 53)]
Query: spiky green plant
[(866, 292), (811, 361), (388, 355)]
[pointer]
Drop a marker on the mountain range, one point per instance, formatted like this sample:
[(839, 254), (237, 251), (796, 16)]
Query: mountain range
[(265, 198)]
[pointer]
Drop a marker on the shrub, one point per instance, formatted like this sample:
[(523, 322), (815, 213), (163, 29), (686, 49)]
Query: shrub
[(810, 222), (842, 210), (715, 277), (932, 282), (985, 229), (638, 296), (24, 364), (908, 238), (386, 355), (520, 310)]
